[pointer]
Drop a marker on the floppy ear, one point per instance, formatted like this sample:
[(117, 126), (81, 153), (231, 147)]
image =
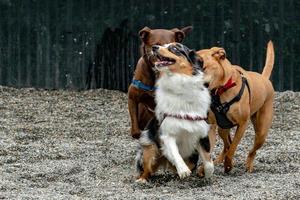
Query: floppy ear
[(179, 35), (187, 29), (144, 34), (219, 53)]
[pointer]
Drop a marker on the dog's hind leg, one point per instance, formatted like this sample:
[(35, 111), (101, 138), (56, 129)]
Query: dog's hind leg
[(262, 122), (170, 150), (225, 135), (207, 168), (150, 160), (192, 161), (212, 136)]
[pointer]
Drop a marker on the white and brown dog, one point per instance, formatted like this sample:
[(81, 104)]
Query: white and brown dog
[(180, 129)]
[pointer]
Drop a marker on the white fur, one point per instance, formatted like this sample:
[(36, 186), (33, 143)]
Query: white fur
[(144, 139), (182, 94)]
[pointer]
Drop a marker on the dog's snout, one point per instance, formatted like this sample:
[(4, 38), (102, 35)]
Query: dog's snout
[(155, 48)]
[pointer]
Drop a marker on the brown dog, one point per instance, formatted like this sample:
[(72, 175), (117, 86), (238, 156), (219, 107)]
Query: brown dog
[(140, 92), (237, 96)]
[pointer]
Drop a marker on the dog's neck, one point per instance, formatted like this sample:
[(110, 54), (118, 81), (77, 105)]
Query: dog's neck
[(145, 73), (181, 95), (229, 72), (180, 84)]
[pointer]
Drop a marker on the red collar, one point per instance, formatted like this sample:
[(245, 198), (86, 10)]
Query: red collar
[(185, 117), (229, 84)]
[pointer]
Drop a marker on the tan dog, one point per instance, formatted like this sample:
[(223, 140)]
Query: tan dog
[(256, 94)]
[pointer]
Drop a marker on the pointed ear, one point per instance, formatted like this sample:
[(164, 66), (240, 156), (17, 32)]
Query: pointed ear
[(187, 29), (179, 35), (219, 53), (144, 34)]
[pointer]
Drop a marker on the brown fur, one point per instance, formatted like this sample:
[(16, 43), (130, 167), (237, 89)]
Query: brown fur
[(140, 102), (152, 160), (257, 106)]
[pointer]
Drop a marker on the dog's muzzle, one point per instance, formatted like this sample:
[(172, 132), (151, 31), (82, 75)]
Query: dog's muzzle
[(155, 48)]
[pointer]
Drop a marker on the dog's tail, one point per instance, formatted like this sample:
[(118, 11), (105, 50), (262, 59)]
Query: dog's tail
[(269, 60)]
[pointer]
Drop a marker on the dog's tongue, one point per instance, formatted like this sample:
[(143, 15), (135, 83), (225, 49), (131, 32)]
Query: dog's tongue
[(162, 63)]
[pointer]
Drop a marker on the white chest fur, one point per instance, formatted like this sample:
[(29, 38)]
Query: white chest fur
[(182, 95)]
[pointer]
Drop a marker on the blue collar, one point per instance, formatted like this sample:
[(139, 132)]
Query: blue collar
[(140, 85)]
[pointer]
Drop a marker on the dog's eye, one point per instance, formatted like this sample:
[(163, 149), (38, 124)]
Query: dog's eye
[(174, 50)]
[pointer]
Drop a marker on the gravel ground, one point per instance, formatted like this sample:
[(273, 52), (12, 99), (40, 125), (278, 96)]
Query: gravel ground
[(76, 145)]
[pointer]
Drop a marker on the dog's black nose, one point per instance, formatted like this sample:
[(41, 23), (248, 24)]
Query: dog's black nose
[(155, 48), (206, 85)]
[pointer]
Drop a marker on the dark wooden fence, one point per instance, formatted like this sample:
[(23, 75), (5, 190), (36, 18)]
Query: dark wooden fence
[(86, 44)]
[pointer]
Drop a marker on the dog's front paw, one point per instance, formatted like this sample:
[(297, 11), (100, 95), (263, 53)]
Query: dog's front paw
[(249, 167), (206, 170), (201, 172), (209, 169), (228, 165), (219, 159), (183, 171), (141, 181)]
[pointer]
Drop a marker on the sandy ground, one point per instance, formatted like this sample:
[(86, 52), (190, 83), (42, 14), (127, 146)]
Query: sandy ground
[(76, 145)]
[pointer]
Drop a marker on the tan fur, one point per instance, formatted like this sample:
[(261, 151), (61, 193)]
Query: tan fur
[(181, 66), (257, 106), (269, 61), (152, 160)]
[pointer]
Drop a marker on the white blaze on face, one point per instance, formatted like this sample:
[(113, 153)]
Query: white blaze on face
[(162, 62)]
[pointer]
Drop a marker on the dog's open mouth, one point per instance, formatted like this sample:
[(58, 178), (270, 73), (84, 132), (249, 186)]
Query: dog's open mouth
[(164, 61)]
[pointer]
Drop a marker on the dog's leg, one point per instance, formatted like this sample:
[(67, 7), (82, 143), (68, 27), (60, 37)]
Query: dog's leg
[(225, 135), (236, 140), (144, 116), (133, 111), (192, 161), (207, 169), (150, 162), (212, 136), (262, 122), (170, 150)]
